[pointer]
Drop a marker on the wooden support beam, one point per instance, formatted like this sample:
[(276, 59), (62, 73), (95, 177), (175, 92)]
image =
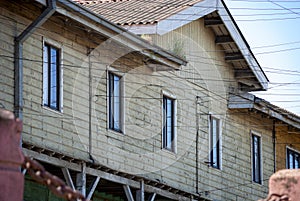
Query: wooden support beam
[(68, 177), (242, 74), (230, 57), (107, 176), (81, 180), (51, 160), (93, 188), (140, 195), (128, 193), (135, 184), (152, 197), (213, 21), (224, 39)]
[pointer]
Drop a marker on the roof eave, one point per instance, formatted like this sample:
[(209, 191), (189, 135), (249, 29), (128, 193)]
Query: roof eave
[(204, 8), (250, 101), (175, 21), (243, 46), (120, 35)]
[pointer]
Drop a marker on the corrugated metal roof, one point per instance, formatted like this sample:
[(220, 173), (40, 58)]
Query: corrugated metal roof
[(129, 12)]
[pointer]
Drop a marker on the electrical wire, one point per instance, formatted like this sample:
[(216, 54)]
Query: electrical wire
[(197, 55), (215, 189), (223, 80)]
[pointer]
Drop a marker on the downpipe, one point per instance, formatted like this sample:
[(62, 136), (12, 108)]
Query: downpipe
[(274, 145), (18, 55)]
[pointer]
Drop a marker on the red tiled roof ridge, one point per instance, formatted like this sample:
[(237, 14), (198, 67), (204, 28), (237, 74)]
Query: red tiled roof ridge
[(97, 1), (116, 1), (137, 12)]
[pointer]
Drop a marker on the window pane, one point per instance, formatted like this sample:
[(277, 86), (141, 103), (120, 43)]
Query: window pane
[(114, 102), (45, 76), (256, 159), (214, 144), (169, 123), (168, 129), (293, 159), (110, 104), (296, 161), (53, 79), (214, 139)]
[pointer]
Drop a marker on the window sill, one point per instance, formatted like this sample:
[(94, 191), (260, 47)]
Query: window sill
[(258, 184), (169, 152), (212, 167), (120, 132), (216, 168), (59, 112)]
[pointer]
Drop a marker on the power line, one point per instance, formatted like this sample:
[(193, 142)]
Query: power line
[(191, 78), (265, 52), (226, 187), (187, 78), (283, 7)]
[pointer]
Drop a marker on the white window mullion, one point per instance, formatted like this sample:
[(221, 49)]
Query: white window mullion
[(169, 122), (257, 168), (115, 102), (215, 141), (52, 76)]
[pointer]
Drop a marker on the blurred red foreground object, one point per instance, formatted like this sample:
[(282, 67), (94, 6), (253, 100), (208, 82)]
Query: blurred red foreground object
[(11, 158)]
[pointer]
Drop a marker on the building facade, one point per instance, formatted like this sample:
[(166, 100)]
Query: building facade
[(234, 150), (119, 118), (285, 128)]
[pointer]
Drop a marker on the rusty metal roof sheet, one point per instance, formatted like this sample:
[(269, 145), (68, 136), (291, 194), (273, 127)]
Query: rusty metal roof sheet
[(130, 12)]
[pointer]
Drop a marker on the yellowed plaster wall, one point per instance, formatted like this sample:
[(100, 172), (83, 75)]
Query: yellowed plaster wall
[(285, 137), (208, 72), (139, 151), (6, 61)]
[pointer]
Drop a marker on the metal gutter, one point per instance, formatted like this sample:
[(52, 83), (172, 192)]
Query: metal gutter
[(143, 44), (18, 56)]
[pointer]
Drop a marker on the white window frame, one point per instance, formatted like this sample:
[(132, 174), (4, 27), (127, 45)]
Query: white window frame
[(174, 144), (254, 133), (59, 46), (210, 140), (122, 101), (292, 149)]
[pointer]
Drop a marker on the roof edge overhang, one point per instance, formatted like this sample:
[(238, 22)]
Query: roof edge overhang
[(177, 20), (242, 44), (250, 101), (112, 31), (197, 11)]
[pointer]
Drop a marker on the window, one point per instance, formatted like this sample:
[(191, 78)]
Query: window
[(215, 142), (51, 77), (169, 140), (115, 102), (256, 159), (293, 159)]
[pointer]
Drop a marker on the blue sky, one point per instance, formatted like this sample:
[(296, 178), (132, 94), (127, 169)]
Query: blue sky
[(272, 29)]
